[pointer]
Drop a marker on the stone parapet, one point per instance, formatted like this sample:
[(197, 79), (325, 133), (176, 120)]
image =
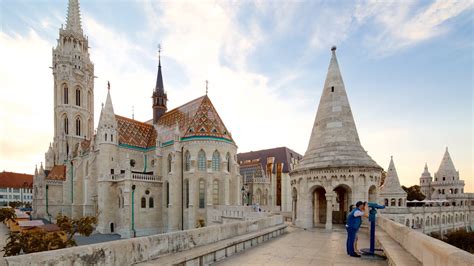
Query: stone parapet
[(427, 250), (142, 249)]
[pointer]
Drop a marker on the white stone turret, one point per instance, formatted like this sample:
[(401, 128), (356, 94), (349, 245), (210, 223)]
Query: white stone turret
[(391, 192), (107, 129), (425, 182), (334, 140), (446, 179)]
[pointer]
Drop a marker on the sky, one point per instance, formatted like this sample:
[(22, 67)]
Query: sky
[(407, 68)]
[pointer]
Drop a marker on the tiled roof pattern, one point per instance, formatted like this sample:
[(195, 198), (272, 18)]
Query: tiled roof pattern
[(15, 180), (251, 169), (58, 172), (135, 133), (195, 118), (281, 154)]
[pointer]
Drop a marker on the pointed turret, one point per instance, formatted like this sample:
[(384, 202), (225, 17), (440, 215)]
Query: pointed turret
[(334, 140), (425, 182), (447, 165), (73, 21), (392, 183), (426, 173), (159, 96), (107, 123)]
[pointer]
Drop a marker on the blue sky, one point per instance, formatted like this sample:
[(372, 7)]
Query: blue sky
[(407, 67)]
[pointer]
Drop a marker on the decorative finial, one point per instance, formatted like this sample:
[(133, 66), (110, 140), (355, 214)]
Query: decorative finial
[(108, 85), (207, 86), (159, 54), (391, 157), (446, 148), (133, 113), (333, 49)]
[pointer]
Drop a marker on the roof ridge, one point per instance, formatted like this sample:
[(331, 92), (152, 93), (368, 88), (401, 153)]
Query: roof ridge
[(176, 108), (133, 120)]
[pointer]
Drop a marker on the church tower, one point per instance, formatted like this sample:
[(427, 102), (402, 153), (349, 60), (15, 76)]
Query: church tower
[(73, 74), (159, 96), (425, 182)]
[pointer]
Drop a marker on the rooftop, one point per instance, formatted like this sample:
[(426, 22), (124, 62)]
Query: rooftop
[(15, 180)]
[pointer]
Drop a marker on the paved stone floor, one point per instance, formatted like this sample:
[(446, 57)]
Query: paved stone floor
[(304, 247)]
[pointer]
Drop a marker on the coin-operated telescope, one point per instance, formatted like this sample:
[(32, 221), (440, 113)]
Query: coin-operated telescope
[(372, 216)]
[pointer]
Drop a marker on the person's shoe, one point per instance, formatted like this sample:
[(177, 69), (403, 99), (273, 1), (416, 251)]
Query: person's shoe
[(355, 255)]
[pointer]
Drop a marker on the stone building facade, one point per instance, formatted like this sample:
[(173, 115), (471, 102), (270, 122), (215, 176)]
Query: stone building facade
[(266, 177), (139, 178), (438, 212), (335, 171)]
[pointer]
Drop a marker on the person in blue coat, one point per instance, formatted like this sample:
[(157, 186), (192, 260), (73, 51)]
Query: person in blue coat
[(354, 220)]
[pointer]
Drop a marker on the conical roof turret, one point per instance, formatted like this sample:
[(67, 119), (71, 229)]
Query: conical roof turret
[(107, 114), (73, 20), (426, 173), (447, 164), (392, 183), (334, 140)]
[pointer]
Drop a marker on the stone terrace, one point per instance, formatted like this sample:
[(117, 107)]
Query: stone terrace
[(305, 247)]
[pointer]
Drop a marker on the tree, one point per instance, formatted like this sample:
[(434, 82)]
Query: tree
[(37, 241), (7, 214), (414, 193)]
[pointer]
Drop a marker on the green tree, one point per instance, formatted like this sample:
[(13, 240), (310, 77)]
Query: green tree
[(414, 193), (7, 214)]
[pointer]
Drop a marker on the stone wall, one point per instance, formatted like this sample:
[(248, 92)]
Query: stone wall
[(428, 250), (142, 249)]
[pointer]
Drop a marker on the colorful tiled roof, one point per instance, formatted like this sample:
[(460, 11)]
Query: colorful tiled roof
[(15, 180), (196, 118), (135, 133), (58, 172), (251, 169), (281, 154)]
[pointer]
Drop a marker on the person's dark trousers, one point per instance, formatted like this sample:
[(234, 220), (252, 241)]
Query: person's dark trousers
[(351, 237)]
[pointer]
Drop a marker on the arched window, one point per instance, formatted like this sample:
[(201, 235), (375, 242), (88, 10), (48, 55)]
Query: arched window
[(201, 161), (65, 94), (215, 192), (151, 203), (78, 97), (66, 125), (167, 194), (111, 137), (186, 192), (78, 126), (393, 202), (105, 136), (216, 161), (399, 202), (227, 157), (120, 201), (143, 202), (202, 194), (170, 158), (187, 161)]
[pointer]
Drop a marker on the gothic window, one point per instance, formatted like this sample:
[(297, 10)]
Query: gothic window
[(65, 94), (332, 89), (143, 202), (111, 137), (216, 161), (167, 194), (392, 202), (386, 202), (151, 203), (202, 161), (444, 178), (201, 194), (228, 162), (169, 162), (215, 192), (78, 97), (105, 136), (186, 190), (119, 201), (78, 126), (399, 202), (187, 161), (66, 125)]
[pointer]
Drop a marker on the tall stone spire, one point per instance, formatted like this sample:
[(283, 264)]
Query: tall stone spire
[(334, 140), (447, 164), (73, 21), (159, 96)]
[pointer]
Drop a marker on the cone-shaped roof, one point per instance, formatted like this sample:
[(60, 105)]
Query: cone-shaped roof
[(447, 164), (159, 88), (392, 183), (73, 20), (334, 140), (426, 173), (107, 114)]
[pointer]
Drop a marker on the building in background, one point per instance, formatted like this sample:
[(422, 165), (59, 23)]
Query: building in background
[(15, 187), (266, 177)]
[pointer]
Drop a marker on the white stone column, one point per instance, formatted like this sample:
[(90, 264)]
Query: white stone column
[(329, 197), (226, 190), (193, 187)]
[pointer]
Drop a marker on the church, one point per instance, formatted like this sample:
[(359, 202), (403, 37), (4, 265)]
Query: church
[(138, 178)]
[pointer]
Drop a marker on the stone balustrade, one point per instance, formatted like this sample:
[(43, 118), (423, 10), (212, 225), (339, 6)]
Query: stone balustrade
[(427, 250), (117, 177), (147, 248), (146, 177)]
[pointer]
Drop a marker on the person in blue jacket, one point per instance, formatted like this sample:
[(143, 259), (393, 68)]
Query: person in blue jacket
[(354, 220)]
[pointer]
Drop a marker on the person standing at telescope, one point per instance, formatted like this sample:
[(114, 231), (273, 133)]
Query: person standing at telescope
[(354, 220)]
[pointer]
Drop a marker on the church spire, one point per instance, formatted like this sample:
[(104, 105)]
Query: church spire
[(334, 140), (159, 96), (73, 21)]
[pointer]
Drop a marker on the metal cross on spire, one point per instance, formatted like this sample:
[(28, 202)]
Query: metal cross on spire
[(159, 54)]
